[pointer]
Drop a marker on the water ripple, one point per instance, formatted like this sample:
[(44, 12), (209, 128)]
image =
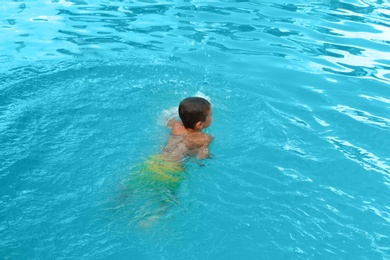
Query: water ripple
[(339, 38), (364, 158), (363, 116)]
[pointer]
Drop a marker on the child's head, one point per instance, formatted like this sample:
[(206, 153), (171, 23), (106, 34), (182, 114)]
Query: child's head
[(195, 113)]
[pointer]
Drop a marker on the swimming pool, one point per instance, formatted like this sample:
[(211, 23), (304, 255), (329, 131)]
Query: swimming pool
[(301, 99)]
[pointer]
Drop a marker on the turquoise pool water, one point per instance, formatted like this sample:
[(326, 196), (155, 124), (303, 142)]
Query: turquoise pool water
[(301, 103)]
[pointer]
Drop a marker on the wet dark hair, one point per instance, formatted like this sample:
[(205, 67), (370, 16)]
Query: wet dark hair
[(192, 110)]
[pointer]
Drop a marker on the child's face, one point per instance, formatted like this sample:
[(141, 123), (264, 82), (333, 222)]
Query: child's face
[(208, 120)]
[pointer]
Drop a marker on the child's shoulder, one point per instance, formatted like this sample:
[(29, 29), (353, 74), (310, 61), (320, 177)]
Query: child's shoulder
[(198, 139), (177, 127), (173, 122)]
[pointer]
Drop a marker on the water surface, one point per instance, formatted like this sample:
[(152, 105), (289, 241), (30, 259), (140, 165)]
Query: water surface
[(300, 96)]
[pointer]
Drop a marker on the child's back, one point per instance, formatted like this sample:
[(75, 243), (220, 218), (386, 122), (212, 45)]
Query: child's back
[(183, 142)]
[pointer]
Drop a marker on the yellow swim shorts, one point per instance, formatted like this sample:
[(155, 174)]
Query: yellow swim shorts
[(157, 173), (159, 169)]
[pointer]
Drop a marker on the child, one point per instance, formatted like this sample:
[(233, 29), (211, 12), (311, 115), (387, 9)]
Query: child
[(159, 176), (187, 138)]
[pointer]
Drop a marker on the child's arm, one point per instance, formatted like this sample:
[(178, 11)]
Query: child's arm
[(203, 151)]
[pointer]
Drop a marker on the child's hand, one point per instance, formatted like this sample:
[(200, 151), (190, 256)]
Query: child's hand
[(210, 138), (203, 153)]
